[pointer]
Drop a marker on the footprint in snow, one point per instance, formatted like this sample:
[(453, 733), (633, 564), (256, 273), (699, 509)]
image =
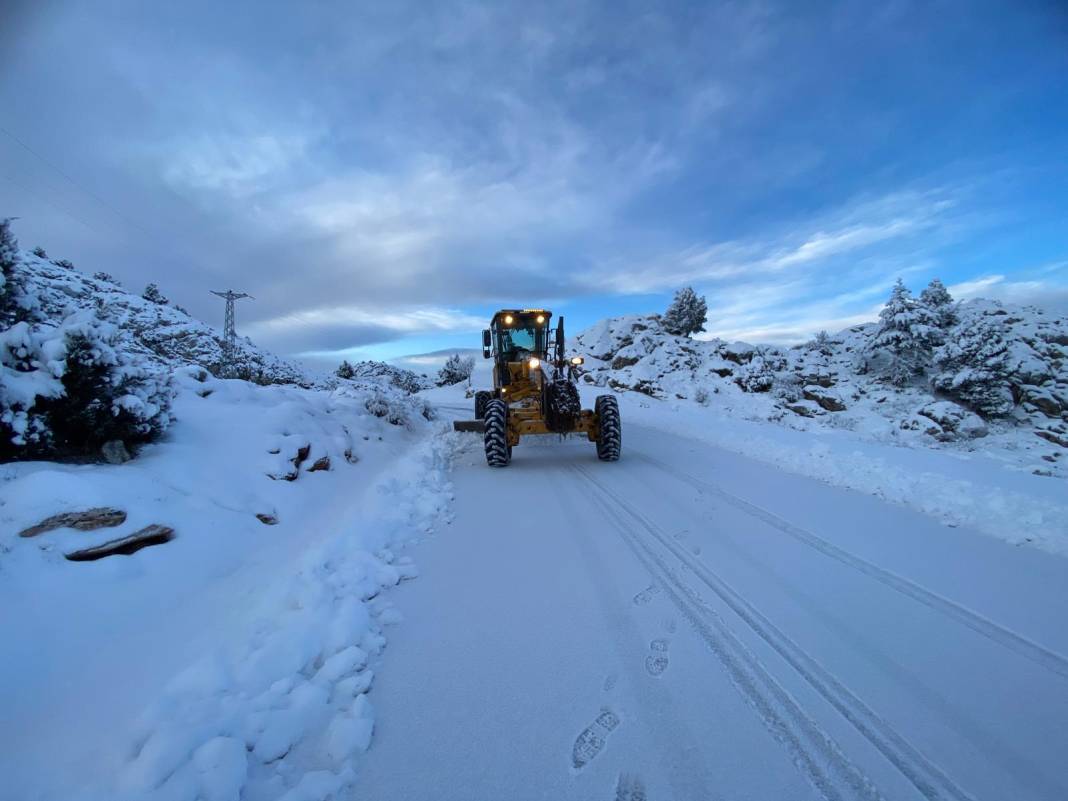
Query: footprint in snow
[(592, 739), (646, 595), (630, 788), (657, 661)]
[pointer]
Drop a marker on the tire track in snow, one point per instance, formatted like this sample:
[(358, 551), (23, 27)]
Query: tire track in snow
[(813, 752), (1007, 638), (929, 779)]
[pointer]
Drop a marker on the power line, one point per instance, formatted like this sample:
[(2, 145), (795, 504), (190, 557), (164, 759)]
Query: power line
[(53, 204), (51, 165)]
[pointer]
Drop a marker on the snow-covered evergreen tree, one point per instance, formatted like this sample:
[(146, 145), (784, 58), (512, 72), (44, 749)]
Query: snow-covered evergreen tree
[(107, 394), (153, 295), (9, 257), (821, 343), (937, 298), (687, 313), (39, 252), (902, 345), (973, 367), (345, 370), (457, 369)]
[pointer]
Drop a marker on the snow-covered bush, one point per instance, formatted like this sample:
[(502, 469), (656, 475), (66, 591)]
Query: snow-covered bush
[(153, 295), (405, 380), (902, 346), (456, 370), (344, 370), (39, 252), (103, 276), (701, 396), (973, 367), (67, 390), (686, 315), (937, 298), (756, 375)]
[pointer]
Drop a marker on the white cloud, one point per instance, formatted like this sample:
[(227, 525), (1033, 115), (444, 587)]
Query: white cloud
[(401, 321), (898, 217)]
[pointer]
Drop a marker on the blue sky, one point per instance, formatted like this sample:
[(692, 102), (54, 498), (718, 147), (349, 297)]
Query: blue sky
[(381, 176)]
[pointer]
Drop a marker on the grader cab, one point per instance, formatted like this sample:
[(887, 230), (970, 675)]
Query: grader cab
[(535, 389)]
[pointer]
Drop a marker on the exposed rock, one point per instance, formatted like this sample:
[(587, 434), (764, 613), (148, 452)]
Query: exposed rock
[(955, 421), (89, 520), (154, 534), (828, 399), (918, 422), (114, 452), (322, 463), (620, 362), (1053, 436), (266, 519), (805, 408), (1044, 400), (302, 454)]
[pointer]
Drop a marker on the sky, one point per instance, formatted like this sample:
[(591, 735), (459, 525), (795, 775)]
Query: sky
[(382, 176)]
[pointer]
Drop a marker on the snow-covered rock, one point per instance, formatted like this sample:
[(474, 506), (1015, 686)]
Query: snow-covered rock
[(1005, 395)]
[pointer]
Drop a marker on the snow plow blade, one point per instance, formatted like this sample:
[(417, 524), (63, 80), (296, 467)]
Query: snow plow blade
[(471, 426)]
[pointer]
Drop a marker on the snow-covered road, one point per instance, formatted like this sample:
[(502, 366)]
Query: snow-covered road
[(690, 624)]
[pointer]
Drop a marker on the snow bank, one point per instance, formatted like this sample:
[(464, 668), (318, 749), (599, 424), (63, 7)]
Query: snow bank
[(235, 661), (959, 488)]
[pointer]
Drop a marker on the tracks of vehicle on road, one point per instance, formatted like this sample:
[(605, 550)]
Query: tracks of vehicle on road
[(1050, 660), (762, 692), (811, 749)]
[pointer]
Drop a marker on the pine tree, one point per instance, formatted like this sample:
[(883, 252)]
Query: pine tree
[(345, 370), (456, 370), (937, 298), (687, 313), (905, 337), (9, 257), (973, 367), (153, 295)]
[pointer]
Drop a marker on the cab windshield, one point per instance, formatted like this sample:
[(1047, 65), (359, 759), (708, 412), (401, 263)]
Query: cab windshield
[(521, 338)]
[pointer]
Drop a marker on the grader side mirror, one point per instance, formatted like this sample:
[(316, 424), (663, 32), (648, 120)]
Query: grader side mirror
[(486, 344)]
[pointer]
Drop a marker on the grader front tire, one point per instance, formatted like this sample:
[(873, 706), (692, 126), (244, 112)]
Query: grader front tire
[(498, 454), (610, 429)]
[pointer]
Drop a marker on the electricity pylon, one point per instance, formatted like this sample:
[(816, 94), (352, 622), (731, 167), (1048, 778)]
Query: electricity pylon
[(229, 331)]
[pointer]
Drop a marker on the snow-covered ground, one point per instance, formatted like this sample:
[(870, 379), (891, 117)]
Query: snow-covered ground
[(232, 661), (691, 622)]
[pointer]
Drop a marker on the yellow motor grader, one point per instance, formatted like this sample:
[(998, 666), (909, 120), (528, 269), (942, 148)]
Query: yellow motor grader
[(535, 390)]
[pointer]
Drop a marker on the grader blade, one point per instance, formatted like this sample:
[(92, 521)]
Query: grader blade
[(470, 426)]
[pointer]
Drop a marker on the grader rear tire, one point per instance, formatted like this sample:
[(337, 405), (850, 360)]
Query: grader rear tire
[(498, 454), (610, 433)]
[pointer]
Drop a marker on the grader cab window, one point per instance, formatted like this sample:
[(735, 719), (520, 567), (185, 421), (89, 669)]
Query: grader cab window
[(522, 337)]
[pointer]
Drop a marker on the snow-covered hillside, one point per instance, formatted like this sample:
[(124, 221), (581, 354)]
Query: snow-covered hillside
[(160, 331), (830, 384)]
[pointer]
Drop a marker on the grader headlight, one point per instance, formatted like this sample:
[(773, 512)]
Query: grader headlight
[(508, 319), (534, 363), (540, 318), (577, 360)]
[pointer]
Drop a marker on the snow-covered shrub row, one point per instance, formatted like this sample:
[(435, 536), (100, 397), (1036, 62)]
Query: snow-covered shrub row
[(372, 372), (66, 387), (1002, 365)]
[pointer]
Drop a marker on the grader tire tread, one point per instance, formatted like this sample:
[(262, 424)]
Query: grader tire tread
[(610, 434), (481, 399), (498, 453)]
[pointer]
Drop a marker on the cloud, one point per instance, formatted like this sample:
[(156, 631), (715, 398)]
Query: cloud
[(897, 218)]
